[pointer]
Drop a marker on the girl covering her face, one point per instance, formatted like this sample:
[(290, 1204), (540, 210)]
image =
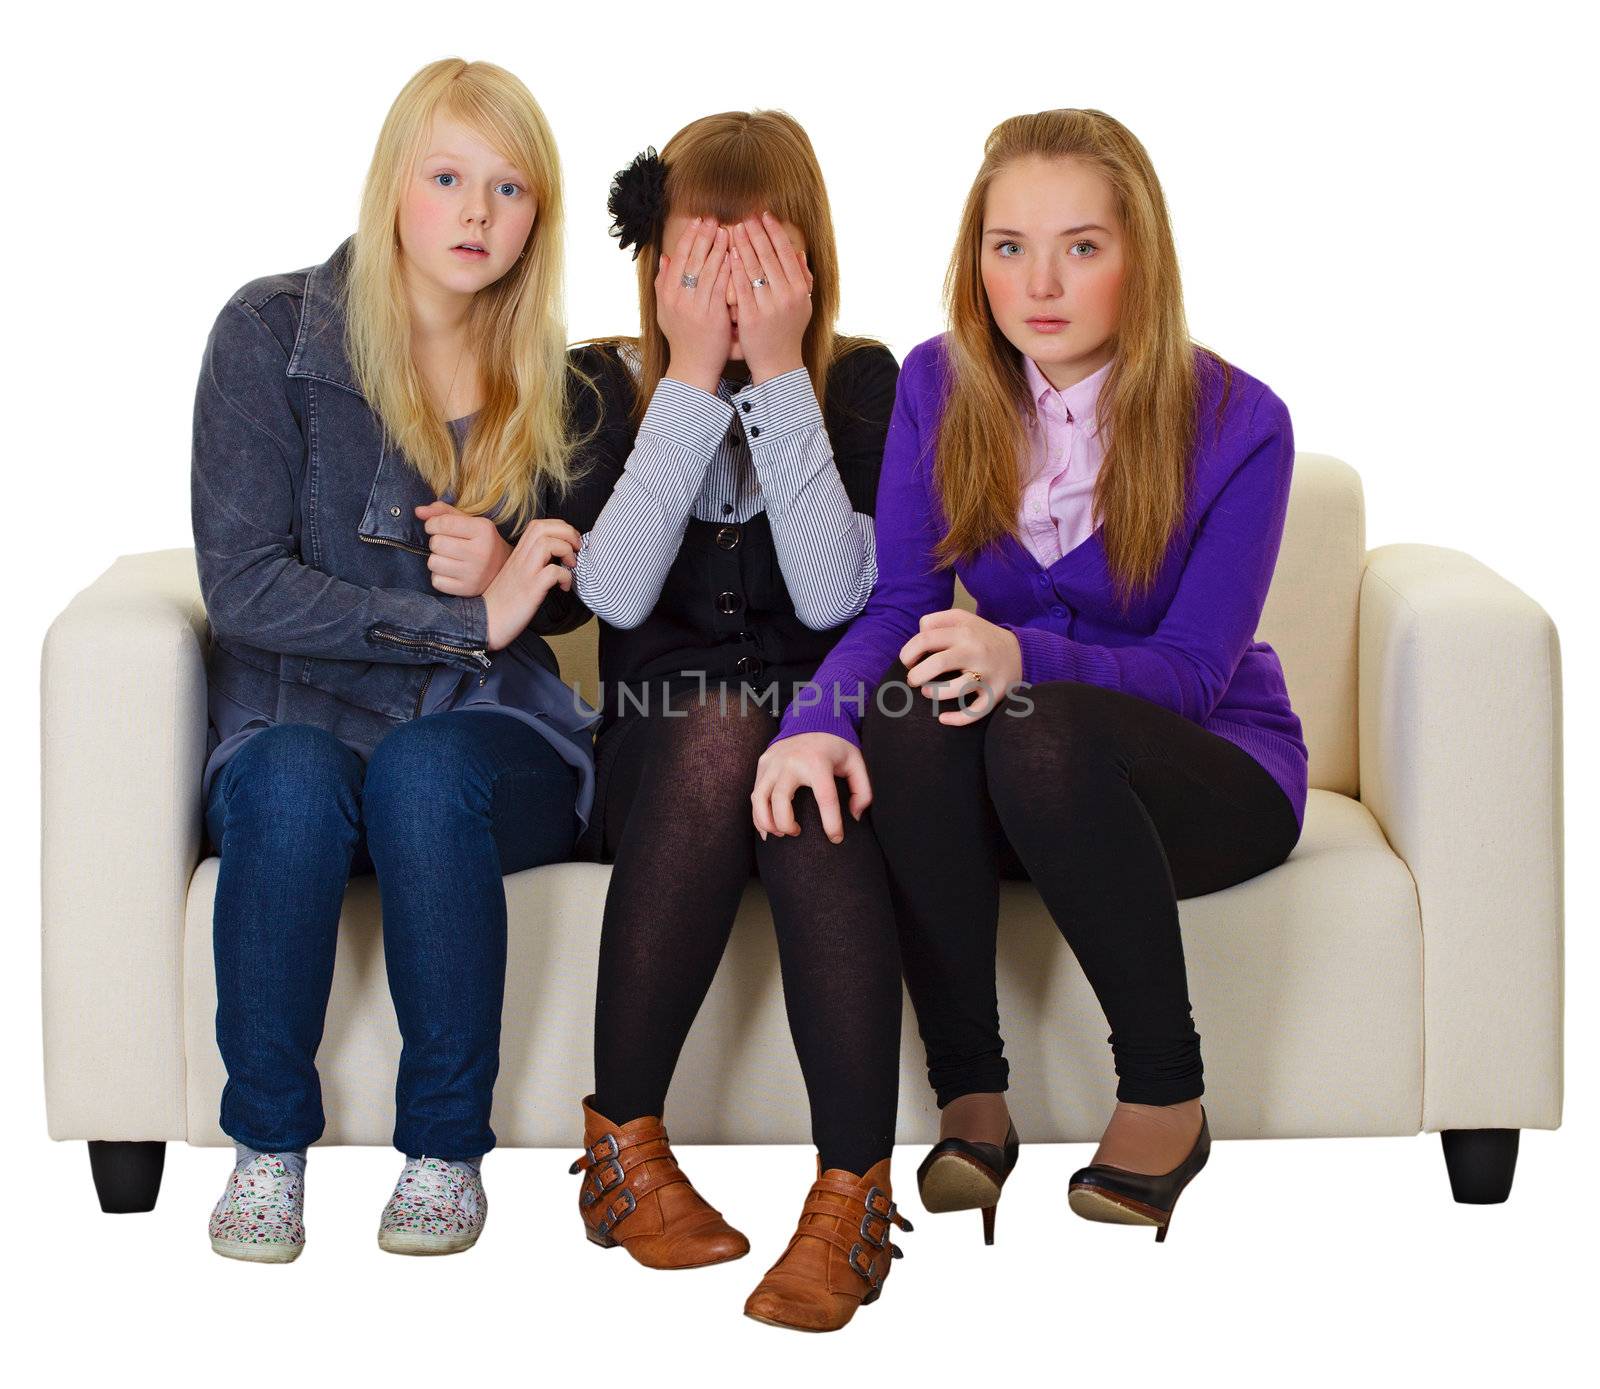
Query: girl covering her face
[(1113, 497), (379, 697), (738, 449)]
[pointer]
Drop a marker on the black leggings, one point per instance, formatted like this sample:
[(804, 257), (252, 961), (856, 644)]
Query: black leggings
[(673, 812), (1116, 808)]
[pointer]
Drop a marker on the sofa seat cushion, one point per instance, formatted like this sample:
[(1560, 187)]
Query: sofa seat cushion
[(1306, 985)]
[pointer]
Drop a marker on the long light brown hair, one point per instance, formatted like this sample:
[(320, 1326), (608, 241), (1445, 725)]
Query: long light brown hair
[(1146, 407), (730, 166), (516, 326)]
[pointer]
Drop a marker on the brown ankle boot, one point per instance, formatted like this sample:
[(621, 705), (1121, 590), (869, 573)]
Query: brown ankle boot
[(838, 1257), (636, 1195)]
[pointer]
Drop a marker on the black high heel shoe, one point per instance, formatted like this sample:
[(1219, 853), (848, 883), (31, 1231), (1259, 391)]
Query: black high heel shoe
[(1120, 1197), (961, 1176)]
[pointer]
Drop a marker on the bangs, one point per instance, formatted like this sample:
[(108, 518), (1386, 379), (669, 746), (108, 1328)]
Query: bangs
[(732, 176), (475, 108)]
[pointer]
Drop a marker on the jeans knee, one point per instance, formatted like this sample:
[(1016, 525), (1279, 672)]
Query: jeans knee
[(425, 769), (291, 780)]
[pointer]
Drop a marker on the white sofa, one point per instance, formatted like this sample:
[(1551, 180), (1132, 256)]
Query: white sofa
[(1400, 972)]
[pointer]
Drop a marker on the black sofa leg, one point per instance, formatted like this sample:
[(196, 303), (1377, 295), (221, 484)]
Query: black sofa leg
[(1481, 1163), (127, 1176)]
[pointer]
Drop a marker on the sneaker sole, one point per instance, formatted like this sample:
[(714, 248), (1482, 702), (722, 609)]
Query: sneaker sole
[(415, 1242), (257, 1253)]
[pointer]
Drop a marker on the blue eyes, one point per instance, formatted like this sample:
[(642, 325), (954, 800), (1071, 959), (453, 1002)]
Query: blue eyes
[(506, 189), (1000, 249)]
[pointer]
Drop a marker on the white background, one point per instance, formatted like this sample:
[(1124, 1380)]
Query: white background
[(1383, 212)]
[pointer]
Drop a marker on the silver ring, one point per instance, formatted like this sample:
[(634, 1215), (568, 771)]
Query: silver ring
[(688, 281), (758, 282)]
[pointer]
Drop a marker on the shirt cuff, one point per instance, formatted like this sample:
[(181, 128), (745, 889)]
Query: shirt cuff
[(782, 411), (777, 406), (1051, 656), (834, 712), (685, 415)]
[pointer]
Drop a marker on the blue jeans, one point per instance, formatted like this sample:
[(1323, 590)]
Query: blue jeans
[(447, 804)]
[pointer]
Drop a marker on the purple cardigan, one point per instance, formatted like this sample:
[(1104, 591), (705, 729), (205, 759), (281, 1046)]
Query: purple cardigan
[(1186, 644)]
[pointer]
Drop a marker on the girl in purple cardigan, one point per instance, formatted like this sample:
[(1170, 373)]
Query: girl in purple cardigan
[(1113, 497)]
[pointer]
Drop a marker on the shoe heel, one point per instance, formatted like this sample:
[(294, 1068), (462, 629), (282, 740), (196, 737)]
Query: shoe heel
[(1161, 1231), (988, 1224), (604, 1241)]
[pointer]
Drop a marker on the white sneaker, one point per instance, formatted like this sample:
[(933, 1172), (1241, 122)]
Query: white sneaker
[(436, 1209), (260, 1215)]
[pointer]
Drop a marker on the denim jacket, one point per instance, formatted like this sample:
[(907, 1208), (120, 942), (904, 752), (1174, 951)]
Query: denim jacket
[(312, 561)]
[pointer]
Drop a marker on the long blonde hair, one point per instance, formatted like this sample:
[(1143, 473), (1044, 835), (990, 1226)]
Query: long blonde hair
[(1146, 407), (729, 166), (516, 326)]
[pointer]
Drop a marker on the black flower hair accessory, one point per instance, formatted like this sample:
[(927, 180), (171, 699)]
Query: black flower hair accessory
[(638, 201)]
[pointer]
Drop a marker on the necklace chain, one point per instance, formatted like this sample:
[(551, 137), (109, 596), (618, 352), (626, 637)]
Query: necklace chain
[(457, 372)]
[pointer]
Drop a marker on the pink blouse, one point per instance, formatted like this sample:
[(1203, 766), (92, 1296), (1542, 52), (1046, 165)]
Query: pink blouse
[(1058, 494)]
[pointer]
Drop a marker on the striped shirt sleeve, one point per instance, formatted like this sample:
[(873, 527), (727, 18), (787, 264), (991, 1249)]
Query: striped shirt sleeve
[(624, 560), (825, 548)]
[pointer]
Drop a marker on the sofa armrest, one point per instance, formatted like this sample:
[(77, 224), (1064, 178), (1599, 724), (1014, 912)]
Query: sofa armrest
[(123, 734), (1460, 748)]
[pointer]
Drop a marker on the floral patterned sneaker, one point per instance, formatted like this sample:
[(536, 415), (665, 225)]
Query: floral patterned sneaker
[(259, 1216), (437, 1208)]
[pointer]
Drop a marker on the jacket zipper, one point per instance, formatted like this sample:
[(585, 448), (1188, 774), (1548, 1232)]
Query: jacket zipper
[(398, 544), (478, 654), (422, 694)]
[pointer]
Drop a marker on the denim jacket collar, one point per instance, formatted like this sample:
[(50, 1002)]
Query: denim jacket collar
[(319, 350)]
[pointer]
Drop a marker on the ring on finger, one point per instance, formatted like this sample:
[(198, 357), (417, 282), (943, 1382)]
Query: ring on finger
[(759, 282), (688, 281)]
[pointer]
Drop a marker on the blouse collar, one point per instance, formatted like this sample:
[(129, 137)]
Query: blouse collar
[(1076, 403)]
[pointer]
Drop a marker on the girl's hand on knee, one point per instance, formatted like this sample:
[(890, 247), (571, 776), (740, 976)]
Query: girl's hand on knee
[(986, 660), (464, 552), (814, 760)]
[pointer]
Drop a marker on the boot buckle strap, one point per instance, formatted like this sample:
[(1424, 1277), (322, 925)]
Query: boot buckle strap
[(881, 1210), (865, 1229), (625, 1199), (863, 1263), (605, 1176), (597, 1152)]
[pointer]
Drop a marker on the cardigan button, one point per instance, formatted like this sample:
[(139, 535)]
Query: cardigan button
[(748, 665), (745, 406), (727, 537), (394, 511), (728, 601), (755, 431), (1059, 611)]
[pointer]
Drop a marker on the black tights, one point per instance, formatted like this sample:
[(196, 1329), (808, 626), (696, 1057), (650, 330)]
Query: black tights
[(1116, 808), (676, 820)]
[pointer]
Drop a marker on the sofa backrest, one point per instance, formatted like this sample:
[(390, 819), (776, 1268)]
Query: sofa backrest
[(1311, 613)]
